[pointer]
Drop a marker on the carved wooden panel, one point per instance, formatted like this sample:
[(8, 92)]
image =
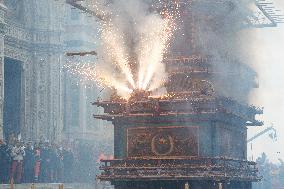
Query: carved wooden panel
[(162, 141)]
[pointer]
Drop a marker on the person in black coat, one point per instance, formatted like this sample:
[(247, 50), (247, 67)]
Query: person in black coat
[(53, 163), (68, 162), (45, 170), (29, 164), (59, 165), (5, 162)]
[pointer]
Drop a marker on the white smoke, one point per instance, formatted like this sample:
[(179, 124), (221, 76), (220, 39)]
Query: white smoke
[(221, 32)]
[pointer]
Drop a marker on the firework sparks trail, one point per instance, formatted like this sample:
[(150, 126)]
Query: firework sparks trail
[(89, 72), (131, 35), (153, 47), (114, 46)]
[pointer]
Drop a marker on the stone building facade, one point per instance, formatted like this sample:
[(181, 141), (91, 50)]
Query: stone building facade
[(34, 34)]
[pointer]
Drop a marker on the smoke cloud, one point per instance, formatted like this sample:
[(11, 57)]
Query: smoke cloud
[(135, 38), (219, 30)]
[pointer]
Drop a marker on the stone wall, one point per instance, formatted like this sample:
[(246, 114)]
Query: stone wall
[(33, 35), (38, 33)]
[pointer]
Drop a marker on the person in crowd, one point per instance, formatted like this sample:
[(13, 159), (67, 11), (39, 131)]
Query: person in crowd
[(29, 163), (54, 159), (60, 166), (68, 162), (45, 171), (12, 140), (17, 154), (5, 162), (37, 151)]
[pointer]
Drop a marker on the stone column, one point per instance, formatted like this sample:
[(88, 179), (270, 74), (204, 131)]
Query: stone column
[(2, 25), (43, 117)]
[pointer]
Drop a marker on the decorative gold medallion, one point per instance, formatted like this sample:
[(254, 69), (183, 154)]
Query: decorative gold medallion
[(162, 144)]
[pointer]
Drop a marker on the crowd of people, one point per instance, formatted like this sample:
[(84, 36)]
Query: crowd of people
[(35, 162), (69, 161)]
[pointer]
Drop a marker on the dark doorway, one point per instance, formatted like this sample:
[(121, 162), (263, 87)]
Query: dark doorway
[(12, 97)]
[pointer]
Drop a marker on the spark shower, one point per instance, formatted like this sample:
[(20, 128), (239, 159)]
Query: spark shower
[(134, 37)]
